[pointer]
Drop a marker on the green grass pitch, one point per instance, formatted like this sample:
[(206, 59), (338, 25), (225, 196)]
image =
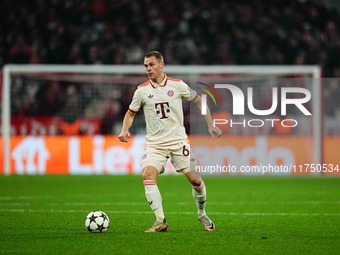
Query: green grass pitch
[(46, 214)]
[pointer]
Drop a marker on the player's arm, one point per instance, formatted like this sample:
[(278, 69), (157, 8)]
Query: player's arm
[(214, 131), (127, 123)]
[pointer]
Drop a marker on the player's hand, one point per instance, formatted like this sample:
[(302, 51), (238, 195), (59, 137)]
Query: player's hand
[(124, 136), (215, 132)]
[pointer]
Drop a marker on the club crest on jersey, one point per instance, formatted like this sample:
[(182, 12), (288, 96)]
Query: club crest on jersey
[(171, 93), (144, 156)]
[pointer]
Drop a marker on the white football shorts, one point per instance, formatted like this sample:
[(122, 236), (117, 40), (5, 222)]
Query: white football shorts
[(180, 155)]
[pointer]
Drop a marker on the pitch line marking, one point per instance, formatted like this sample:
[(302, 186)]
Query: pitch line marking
[(23, 197), (10, 203), (190, 213)]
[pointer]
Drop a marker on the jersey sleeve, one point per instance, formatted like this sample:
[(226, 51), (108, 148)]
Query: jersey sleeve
[(189, 94), (136, 102)]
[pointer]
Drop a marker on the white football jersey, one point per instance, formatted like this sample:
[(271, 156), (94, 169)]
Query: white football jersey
[(162, 105)]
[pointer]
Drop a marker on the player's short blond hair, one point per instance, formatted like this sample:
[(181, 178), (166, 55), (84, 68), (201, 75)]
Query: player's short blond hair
[(155, 54)]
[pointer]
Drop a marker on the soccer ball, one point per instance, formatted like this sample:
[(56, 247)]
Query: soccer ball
[(97, 222)]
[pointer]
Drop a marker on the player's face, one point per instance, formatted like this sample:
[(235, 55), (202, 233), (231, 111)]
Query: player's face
[(154, 68)]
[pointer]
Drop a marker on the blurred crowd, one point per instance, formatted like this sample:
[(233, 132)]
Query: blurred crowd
[(187, 32), (215, 32)]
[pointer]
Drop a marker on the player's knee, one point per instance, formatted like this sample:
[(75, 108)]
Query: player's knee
[(149, 173), (146, 175), (196, 181)]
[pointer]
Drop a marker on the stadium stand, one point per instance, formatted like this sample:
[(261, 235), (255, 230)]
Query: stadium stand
[(228, 32), (273, 32)]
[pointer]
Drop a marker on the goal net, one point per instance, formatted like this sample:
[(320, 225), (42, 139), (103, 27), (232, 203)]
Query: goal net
[(60, 119)]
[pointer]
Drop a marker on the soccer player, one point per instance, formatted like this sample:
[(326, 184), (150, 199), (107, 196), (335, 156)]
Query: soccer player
[(161, 98)]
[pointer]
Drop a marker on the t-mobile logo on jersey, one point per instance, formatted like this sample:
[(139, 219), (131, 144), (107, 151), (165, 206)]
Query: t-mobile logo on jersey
[(162, 109)]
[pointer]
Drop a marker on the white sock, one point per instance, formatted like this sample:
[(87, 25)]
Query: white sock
[(154, 198), (200, 195)]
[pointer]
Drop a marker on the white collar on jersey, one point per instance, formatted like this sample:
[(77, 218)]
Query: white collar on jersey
[(163, 82)]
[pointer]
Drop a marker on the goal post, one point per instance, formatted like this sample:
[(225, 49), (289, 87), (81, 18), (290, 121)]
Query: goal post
[(12, 69)]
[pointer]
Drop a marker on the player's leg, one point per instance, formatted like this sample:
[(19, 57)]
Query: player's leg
[(185, 161), (152, 192), (153, 164), (199, 193), (154, 199)]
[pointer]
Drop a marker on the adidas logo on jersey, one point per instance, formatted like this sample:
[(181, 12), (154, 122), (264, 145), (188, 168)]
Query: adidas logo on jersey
[(150, 96)]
